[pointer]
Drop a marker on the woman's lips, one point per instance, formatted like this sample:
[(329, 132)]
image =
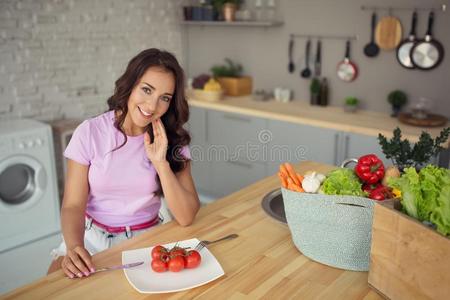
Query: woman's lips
[(145, 114)]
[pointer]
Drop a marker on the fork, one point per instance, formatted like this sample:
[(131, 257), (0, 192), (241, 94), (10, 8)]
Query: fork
[(205, 243)]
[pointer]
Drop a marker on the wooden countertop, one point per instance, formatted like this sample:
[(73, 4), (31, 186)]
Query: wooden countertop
[(364, 122), (261, 262)]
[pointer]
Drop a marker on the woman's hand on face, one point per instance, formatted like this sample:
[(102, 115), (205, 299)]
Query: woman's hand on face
[(156, 150), (77, 262)]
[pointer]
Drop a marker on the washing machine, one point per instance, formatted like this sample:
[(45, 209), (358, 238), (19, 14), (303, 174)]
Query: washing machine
[(29, 204)]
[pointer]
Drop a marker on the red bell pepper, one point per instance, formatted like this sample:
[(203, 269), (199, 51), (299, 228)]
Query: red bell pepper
[(370, 169)]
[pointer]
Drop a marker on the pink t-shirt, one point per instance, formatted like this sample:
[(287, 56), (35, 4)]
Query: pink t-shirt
[(122, 182)]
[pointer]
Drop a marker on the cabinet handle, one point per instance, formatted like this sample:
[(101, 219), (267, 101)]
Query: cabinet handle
[(336, 142), (206, 127), (347, 139), (237, 118), (240, 164)]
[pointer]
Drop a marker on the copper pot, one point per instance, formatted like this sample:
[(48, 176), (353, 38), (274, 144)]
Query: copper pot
[(229, 12)]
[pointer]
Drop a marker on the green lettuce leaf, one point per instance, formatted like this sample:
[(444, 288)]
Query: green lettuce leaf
[(342, 182), (409, 184)]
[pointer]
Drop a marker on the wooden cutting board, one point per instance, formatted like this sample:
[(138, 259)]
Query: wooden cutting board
[(431, 120), (388, 33)]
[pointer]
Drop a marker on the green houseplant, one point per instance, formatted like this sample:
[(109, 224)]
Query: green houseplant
[(404, 155), (397, 99), (231, 79), (351, 104)]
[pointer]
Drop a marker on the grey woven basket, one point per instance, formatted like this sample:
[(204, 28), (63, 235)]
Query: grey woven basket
[(333, 230)]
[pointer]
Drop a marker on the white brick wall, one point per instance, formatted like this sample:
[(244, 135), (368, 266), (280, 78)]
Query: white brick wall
[(60, 58)]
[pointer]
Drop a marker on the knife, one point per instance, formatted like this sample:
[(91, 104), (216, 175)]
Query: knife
[(119, 267)]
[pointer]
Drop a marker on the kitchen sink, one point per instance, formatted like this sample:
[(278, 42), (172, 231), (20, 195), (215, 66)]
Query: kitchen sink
[(273, 205)]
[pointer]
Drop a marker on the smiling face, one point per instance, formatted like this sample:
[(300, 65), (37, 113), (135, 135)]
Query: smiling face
[(149, 99)]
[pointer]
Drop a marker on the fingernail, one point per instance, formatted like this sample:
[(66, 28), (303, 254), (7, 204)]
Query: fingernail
[(86, 273), (92, 270), (80, 275)]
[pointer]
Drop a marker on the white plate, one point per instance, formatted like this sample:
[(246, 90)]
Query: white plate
[(145, 280)]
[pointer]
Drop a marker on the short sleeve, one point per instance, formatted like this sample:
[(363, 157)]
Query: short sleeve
[(79, 148), (186, 152)]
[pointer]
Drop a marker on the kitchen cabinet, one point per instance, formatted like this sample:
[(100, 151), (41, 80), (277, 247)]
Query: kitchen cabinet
[(26, 263), (236, 146), (291, 142), (229, 176), (201, 166), (236, 136), (226, 150), (355, 145)]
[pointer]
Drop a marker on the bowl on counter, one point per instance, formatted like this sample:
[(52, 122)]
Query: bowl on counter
[(203, 95)]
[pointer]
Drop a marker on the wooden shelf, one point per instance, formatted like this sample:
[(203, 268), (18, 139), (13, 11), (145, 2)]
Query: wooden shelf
[(235, 23)]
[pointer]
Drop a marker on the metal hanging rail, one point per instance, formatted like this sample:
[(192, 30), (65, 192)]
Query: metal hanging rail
[(324, 37), (442, 8)]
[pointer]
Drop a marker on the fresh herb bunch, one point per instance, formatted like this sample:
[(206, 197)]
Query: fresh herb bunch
[(231, 69), (404, 155), (352, 101)]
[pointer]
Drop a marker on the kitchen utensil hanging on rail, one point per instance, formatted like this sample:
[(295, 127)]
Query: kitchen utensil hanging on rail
[(346, 69), (388, 32), (404, 49), (372, 49), (317, 62), (291, 66), (427, 53), (306, 72)]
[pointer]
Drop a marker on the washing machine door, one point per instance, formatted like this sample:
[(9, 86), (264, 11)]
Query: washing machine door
[(22, 182)]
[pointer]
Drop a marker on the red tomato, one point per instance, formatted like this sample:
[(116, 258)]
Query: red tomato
[(192, 259), (176, 264), (159, 266), (157, 251), (176, 251)]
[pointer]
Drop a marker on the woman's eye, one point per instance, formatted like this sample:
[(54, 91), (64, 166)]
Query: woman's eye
[(165, 99), (147, 90)]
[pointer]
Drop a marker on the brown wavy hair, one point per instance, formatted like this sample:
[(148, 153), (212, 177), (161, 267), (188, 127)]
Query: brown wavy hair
[(175, 117)]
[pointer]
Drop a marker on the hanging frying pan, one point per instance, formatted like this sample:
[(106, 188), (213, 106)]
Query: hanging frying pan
[(404, 49), (346, 69), (291, 66), (428, 53)]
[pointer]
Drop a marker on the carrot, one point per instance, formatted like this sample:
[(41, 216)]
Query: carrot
[(283, 171), (292, 173), (283, 180), (298, 189)]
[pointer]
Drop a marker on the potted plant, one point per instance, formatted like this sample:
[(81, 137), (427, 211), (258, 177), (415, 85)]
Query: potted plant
[(314, 89), (351, 104), (230, 78), (397, 99), (226, 9), (404, 155)]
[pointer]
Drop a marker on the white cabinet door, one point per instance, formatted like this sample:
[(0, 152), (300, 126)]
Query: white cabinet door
[(235, 151), (231, 176), (201, 167), (291, 142), (356, 145), (236, 136), (26, 263)]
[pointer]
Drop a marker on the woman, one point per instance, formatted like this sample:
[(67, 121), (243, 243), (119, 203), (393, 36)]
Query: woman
[(119, 163)]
